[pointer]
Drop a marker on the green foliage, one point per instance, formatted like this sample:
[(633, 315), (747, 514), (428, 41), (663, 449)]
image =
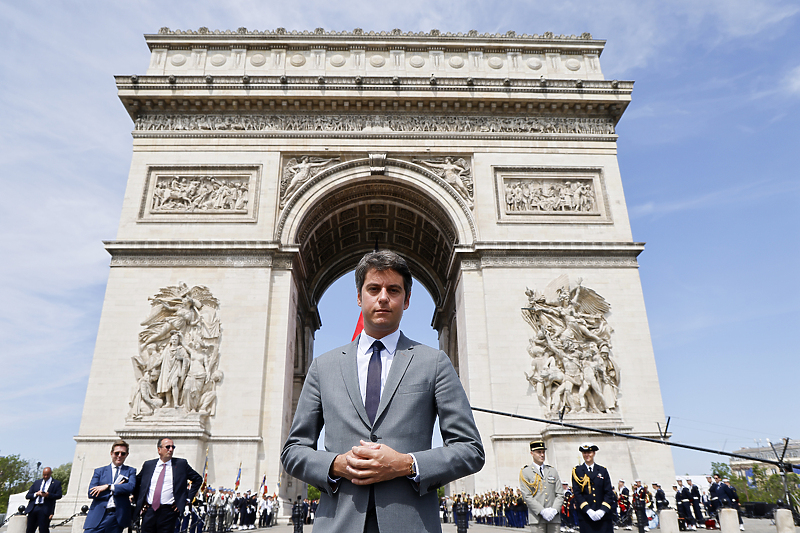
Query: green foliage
[(722, 470), (16, 475), (313, 493), (62, 473), (440, 492)]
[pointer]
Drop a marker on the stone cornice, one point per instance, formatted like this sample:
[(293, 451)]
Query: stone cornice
[(482, 255), (253, 254), (320, 38)]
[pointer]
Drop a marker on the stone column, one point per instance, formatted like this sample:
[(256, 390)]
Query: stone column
[(784, 522), (78, 522), (17, 524), (668, 521), (728, 521)]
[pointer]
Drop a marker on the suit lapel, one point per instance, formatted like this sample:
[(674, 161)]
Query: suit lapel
[(402, 357), (349, 368)]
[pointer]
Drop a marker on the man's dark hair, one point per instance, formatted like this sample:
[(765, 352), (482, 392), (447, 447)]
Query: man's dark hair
[(162, 439), (120, 442), (380, 261)]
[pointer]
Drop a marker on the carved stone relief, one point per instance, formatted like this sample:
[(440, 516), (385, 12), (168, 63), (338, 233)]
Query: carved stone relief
[(551, 195), (572, 365), (297, 171), (201, 194), (177, 365), (456, 172), (375, 123), (528, 195)]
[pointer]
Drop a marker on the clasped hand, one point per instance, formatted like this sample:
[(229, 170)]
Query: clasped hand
[(595, 515), (371, 463), (548, 513)]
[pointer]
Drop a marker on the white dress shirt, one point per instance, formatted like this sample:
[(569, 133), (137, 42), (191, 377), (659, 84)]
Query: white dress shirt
[(364, 354), (167, 497), (43, 488)]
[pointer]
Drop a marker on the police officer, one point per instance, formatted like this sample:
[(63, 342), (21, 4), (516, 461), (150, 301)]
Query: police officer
[(593, 492), (542, 491)]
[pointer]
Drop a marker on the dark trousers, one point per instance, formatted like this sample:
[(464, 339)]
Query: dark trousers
[(108, 524), (38, 517), (161, 521)]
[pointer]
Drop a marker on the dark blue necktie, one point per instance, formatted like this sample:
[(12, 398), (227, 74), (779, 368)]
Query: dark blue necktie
[(373, 397)]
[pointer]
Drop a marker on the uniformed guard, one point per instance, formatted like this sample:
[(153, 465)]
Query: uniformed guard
[(541, 488), (641, 499), (661, 498), (297, 515), (694, 494), (593, 492), (685, 502), (713, 497), (624, 504)]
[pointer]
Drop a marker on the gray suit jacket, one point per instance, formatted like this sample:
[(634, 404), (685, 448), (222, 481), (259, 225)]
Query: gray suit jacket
[(541, 493), (421, 384)]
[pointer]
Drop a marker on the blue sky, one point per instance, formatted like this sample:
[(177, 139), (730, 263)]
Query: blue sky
[(708, 151)]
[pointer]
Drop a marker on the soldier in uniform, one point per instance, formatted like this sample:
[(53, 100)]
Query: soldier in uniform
[(593, 492), (624, 504), (297, 515), (641, 499), (661, 498), (713, 497), (542, 491), (734, 501), (685, 503), (694, 493)]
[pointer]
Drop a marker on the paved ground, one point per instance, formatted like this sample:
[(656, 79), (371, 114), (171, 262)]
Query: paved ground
[(751, 526)]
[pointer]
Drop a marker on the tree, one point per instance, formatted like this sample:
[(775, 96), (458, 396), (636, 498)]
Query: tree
[(313, 493), (16, 475), (62, 473), (722, 470)]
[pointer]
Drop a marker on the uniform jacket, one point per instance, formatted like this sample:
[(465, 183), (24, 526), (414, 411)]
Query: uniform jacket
[(540, 493), (122, 492), (694, 492), (420, 385), (592, 491), (53, 494), (182, 473)]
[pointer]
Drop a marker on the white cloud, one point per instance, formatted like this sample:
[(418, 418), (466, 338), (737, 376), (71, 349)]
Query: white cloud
[(792, 81)]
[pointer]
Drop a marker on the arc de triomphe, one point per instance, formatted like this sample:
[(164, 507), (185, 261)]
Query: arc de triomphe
[(266, 163)]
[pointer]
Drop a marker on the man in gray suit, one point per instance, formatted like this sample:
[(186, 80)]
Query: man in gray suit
[(543, 492), (379, 397)]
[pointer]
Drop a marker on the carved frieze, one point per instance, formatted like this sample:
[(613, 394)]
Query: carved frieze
[(571, 195), (456, 172), (572, 365), (297, 171), (177, 364), (201, 194), (375, 123)]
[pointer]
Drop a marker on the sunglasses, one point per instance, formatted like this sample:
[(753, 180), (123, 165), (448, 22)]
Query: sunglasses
[(122, 454), (169, 447)]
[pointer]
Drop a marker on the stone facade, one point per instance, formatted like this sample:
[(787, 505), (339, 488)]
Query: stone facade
[(265, 163)]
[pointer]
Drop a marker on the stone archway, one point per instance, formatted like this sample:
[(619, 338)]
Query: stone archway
[(348, 210)]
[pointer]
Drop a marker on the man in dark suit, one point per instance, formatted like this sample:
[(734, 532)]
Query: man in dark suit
[(162, 489), (378, 398), (42, 495), (594, 494), (110, 491)]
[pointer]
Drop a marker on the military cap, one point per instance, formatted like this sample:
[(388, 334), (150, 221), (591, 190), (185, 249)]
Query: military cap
[(588, 447), (537, 445)]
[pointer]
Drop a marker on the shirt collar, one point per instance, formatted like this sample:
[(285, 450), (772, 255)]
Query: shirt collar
[(164, 463), (389, 342)]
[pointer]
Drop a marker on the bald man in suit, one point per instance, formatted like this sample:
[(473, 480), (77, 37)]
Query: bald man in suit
[(379, 397)]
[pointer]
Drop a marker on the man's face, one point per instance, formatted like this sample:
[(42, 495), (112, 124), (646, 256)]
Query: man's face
[(680, 483), (118, 455), (46, 473), (689, 482), (538, 457), (166, 450), (716, 479), (588, 458), (621, 484), (382, 300), (709, 479)]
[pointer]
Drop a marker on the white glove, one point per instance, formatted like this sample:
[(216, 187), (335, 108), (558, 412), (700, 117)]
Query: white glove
[(548, 513), (600, 513), (593, 515)]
